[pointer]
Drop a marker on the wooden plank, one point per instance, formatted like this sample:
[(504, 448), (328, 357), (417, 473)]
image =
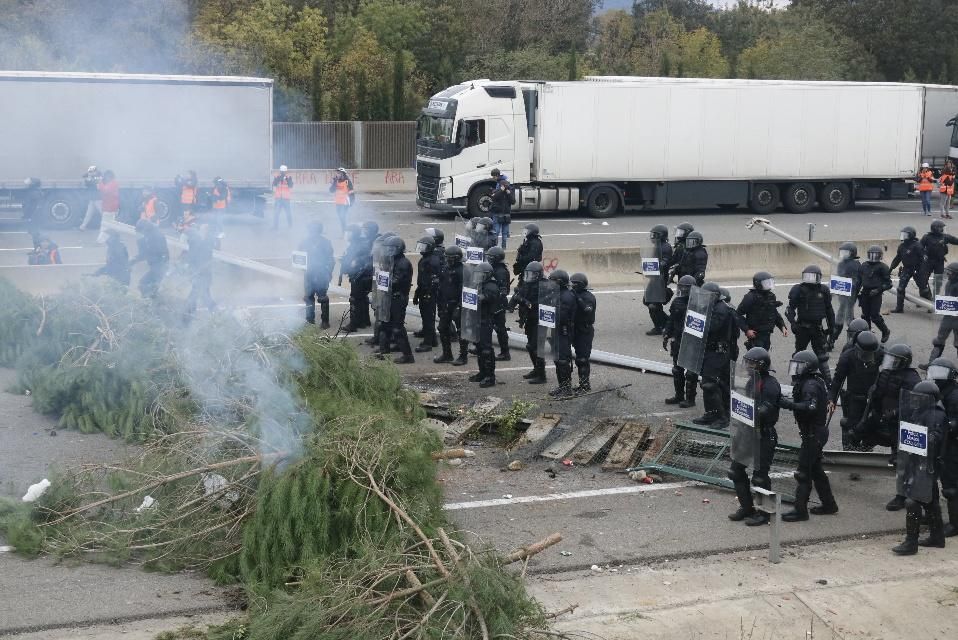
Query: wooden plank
[(625, 451), (562, 447), (540, 428), (598, 439), (658, 441), (455, 431)]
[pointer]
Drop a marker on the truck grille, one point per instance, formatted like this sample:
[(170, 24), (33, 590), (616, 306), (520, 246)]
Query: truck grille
[(427, 181)]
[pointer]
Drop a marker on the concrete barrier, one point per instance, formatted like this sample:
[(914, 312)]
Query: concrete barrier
[(313, 181)]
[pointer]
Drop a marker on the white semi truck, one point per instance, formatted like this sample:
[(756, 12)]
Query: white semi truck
[(606, 144), (146, 128)]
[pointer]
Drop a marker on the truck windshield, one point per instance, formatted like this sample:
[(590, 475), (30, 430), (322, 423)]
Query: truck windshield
[(434, 137)]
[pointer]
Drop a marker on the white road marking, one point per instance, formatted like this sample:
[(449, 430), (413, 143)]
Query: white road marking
[(599, 233), (28, 249), (11, 233), (552, 497)]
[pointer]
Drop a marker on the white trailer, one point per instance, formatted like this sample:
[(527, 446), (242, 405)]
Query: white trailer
[(607, 144), (146, 128)]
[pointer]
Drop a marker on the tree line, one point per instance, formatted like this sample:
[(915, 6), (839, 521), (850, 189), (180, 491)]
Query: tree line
[(379, 59)]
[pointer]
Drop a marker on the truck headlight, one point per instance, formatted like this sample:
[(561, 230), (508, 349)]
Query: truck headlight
[(444, 186)]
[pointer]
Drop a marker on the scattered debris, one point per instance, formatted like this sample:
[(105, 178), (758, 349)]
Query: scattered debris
[(540, 428), (822, 581), (515, 465), (706, 501), (599, 440), (507, 496), (472, 419), (569, 609), (148, 502), (854, 476), (638, 476), (565, 553), (596, 568), (450, 454), (8, 549), (568, 463), (625, 450), (592, 393), (34, 491)]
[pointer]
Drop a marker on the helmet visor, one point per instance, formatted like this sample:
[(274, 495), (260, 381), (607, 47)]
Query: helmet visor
[(811, 278), (768, 284), (796, 367), (844, 254), (890, 362), (937, 372), (752, 365), (865, 356), (903, 236), (530, 276), (390, 251), (481, 227), (422, 247), (691, 243), (874, 256), (679, 233)]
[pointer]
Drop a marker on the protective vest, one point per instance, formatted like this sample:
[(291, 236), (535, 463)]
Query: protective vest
[(946, 184), (860, 375), (342, 192), (762, 313), (489, 300), (568, 304), (282, 190), (926, 180), (936, 248), (767, 392), (676, 325), (873, 275), (811, 303), (188, 195), (221, 200), (807, 389), (585, 311), (910, 253), (149, 209), (500, 272), (889, 386), (450, 285)]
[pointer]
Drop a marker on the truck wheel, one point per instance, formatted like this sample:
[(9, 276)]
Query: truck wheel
[(603, 202), (799, 197), (63, 212), (764, 198), (835, 197), (480, 202), (164, 210)]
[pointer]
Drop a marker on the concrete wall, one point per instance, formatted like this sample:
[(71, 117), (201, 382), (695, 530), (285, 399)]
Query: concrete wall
[(364, 180)]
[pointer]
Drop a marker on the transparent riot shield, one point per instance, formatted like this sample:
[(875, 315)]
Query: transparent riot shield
[(744, 426), (548, 316), (656, 287), (915, 468), (842, 284), (692, 349), (384, 287), (300, 260), (469, 308)]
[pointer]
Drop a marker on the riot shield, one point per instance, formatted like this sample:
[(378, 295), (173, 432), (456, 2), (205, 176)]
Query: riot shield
[(744, 427), (383, 289), (656, 287), (300, 260), (475, 251), (842, 285), (548, 316), (692, 349), (916, 462), (469, 308)]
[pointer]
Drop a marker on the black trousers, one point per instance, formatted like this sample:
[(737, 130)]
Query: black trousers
[(582, 343), (871, 309), (150, 282), (811, 471), (317, 292), (427, 309), (762, 339), (658, 315), (395, 329), (768, 440), (853, 410), (814, 336), (502, 332)]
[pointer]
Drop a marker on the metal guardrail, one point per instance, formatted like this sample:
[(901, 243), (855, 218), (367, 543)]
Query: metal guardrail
[(354, 145)]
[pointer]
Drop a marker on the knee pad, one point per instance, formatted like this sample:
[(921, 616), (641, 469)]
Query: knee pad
[(530, 348), (323, 299), (763, 482), (935, 342), (710, 386), (736, 473), (581, 362), (801, 476), (950, 494)]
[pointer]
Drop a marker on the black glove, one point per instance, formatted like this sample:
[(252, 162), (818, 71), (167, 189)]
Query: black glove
[(875, 292), (665, 343)]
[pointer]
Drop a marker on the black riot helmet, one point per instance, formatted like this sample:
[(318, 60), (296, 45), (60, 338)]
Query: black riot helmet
[(495, 255), (952, 270), (425, 245), (560, 277), (812, 274), (725, 295), (908, 233), (533, 272), (763, 281), (897, 357), (353, 232), (453, 255), (757, 360), (713, 287), (438, 237), (803, 364), (942, 370), (314, 229), (937, 226), (660, 232), (875, 253), (579, 282), (530, 229), (484, 224), (370, 229), (694, 240), (867, 346), (682, 231), (848, 251), (394, 246), (927, 388), (685, 285), (855, 327), (484, 271)]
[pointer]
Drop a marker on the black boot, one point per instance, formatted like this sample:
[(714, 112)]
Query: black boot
[(423, 347), (936, 528), (885, 331), (374, 339), (532, 374), (584, 385), (324, 314), (800, 511), (709, 417), (951, 529), (540, 372), (564, 377), (746, 505), (481, 374), (824, 490), (504, 355), (463, 358), (690, 392), (489, 378), (654, 331), (446, 355), (899, 303), (912, 528), (895, 504), (679, 385)]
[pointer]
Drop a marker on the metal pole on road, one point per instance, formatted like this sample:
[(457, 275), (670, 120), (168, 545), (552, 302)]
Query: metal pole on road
[(801, 244)]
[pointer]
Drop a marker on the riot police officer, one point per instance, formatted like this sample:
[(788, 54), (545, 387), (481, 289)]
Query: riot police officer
[(500, 273), (859, 367), (766, 393), (489, 303), (584, 330), (378, 250), (526, 299), (910, 256), (485, 235), (948, 325), (685, 382), (945, 374), (678, 249), (695, 258), (529, 251), (369, 231), (809, 404), (448, 301), (438, 237), (876, 280), (663, 251), (716, 363), (855, 327), (848, 267), (564, 334), (427, 285), (357, 265), (758, 311), (319, 271), (809, 303), (394, 330), (879, 425), (935, 245)]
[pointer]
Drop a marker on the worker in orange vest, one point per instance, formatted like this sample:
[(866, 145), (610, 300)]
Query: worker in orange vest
[(282, 195), (926, 183), (188, 191), (148, 208), (222, 197), (946, 189), (342, 189)]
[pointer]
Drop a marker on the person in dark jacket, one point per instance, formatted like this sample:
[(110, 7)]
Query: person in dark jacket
[(759, 314), (945, 374), (681, 233), (500, 273), (810, 304), (694, 259), (858, 367), (659, 236), (526, 300), (948, 325), (427, 289), (685, 382), (320, 263), (46, 251), (357, 265), (394, 331), (502, 199), (717, 362), (810, 406), (935, 245), (199, 260), (489, 302), (152, 248), (564, 334), (909, 256), (449, 303), (529, 251), (30, 200), (117, 258), (876, 280), (584, 329), (849, 267)]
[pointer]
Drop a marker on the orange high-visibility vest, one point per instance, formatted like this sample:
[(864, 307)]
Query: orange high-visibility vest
[(342, 192), (946, 184), (220, 202), (282, 191), (926, 180), (188, 195), (149, 210)]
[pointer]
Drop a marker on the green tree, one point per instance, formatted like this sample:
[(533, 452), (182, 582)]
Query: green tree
[(399, 86), (700, 55), (316, 90), (657, 45), (615, 37)]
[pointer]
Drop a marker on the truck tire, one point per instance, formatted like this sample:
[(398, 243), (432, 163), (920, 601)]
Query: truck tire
[(62, 211), (799, 197), (164, 209), (835, 197), (480, 202), (603, 202), (764, 198)]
